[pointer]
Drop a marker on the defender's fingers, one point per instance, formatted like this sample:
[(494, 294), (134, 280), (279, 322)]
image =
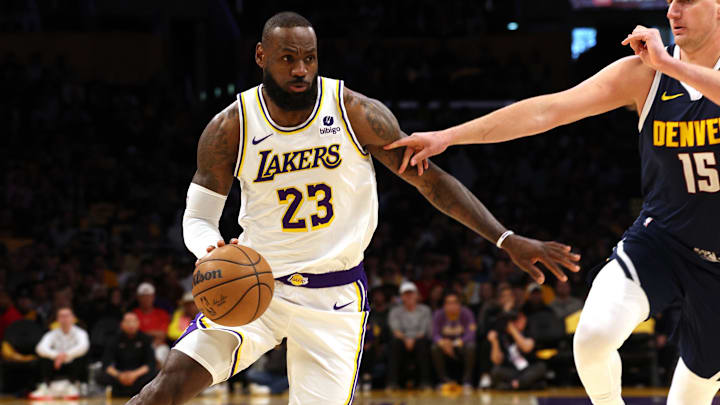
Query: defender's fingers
[(221, 243), (234, 241), (400, 143), (421, 169), (420, 156), (407, 154), (427, 164)]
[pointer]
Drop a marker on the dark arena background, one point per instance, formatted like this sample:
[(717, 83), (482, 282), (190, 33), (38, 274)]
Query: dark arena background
[(101, 107)]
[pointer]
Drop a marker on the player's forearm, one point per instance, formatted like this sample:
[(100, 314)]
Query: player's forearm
[(452, 198), (524, 118), (201, 219), (705, 80)]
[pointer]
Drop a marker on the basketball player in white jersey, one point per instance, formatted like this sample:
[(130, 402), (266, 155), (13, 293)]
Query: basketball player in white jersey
[(300, 146), (672, 252)]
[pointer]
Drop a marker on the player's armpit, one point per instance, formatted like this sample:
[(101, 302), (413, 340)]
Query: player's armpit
[(217, 151)]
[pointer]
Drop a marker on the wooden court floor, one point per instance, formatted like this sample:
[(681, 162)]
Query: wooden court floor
[(547, 397)]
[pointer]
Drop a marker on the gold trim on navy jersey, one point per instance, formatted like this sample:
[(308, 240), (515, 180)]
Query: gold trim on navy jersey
[(291, 130), (346, 120)]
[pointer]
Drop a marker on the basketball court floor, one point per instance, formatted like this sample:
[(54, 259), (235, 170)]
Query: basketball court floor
[(547, 397)]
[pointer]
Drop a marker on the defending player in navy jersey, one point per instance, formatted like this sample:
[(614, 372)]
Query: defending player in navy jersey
[(672, 251), (301, 146)]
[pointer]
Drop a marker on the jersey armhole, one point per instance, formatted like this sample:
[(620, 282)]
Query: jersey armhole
[(243, 130), (649, 100), (346, 120)]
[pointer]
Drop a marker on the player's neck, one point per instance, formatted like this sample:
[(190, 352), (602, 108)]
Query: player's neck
[(706, 54), (285, 118)]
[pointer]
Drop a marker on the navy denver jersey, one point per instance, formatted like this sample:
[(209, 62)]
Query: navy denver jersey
[(680, 157)]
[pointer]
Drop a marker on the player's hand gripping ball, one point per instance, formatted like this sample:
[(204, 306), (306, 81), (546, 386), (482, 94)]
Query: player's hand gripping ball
[(233, 285)]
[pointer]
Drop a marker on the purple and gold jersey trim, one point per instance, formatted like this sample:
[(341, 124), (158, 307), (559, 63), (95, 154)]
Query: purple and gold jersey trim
[(201, 323), (358, 354), (346, 120), (243, 135), (325, 280), (292, 130)]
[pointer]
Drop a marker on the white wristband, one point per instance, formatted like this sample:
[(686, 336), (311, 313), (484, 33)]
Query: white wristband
[(502, 238)]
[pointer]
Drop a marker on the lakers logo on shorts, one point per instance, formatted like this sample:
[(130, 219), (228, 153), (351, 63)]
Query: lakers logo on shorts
[(297, 279)]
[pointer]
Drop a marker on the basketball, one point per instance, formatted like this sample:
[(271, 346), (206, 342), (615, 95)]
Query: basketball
[(233, 285)]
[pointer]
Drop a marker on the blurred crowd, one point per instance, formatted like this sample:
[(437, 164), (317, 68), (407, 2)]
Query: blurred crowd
[(92, 261)]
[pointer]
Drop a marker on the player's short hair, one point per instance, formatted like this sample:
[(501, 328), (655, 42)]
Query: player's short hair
[(285, 19)]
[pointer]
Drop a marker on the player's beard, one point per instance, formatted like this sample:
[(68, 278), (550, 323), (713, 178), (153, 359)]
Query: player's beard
[(290, 101)]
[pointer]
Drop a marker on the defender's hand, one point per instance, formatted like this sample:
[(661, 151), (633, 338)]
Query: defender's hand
[(648, 45), (419, 147), (525, 252), (220, 243)]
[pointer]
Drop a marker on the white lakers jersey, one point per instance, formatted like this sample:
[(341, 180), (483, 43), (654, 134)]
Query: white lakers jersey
[(308, 193)]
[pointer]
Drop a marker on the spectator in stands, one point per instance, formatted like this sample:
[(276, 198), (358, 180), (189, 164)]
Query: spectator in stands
[(62, 353), (153, 321), (564, 303), (377, 339), (182, 316), (268, 375), (435, 299), (8, 312), (20, 366), (129, 359), (454, 340), (511, 353), (410, 325)]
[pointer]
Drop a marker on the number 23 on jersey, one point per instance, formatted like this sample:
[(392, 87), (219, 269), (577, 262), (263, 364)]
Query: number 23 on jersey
[(321, 193)]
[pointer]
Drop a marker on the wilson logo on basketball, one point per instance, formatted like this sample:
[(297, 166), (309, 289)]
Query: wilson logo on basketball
[(208, 275)]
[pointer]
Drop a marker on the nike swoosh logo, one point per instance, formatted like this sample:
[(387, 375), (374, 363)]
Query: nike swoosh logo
[(665, 97), (336, 307), (257, 141)]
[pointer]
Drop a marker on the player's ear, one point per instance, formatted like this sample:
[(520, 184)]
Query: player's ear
[(260, 55)]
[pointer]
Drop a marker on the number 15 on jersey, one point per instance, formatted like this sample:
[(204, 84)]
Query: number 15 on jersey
[(705, 178)]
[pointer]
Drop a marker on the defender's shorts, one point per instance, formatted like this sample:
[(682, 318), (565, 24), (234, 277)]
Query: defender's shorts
[(671, 273), (325, 331)]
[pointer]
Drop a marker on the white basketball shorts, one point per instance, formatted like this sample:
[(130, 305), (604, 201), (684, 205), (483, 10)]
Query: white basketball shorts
[(325, 331)]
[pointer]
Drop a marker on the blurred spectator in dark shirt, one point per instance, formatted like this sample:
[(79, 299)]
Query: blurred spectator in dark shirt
[(410, 325), (268, 375), (512, 356), (153, 321), (565, 304), (129, 359), (8, 312), (377, 339), (182, 316), (454, 330), (435, 299)]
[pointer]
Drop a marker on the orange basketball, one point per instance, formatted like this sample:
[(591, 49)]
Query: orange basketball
[(233, 285)]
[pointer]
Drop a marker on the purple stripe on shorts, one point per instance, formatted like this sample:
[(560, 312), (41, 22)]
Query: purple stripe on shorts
[(359, 359), (190, 328), (325, 280)]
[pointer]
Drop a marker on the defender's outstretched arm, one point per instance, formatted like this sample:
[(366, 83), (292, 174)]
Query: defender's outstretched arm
[(624, 82), (375, 125)]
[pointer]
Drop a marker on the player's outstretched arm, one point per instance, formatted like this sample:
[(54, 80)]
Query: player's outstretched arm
[(624, 82), (216, 158), (375, 126)]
